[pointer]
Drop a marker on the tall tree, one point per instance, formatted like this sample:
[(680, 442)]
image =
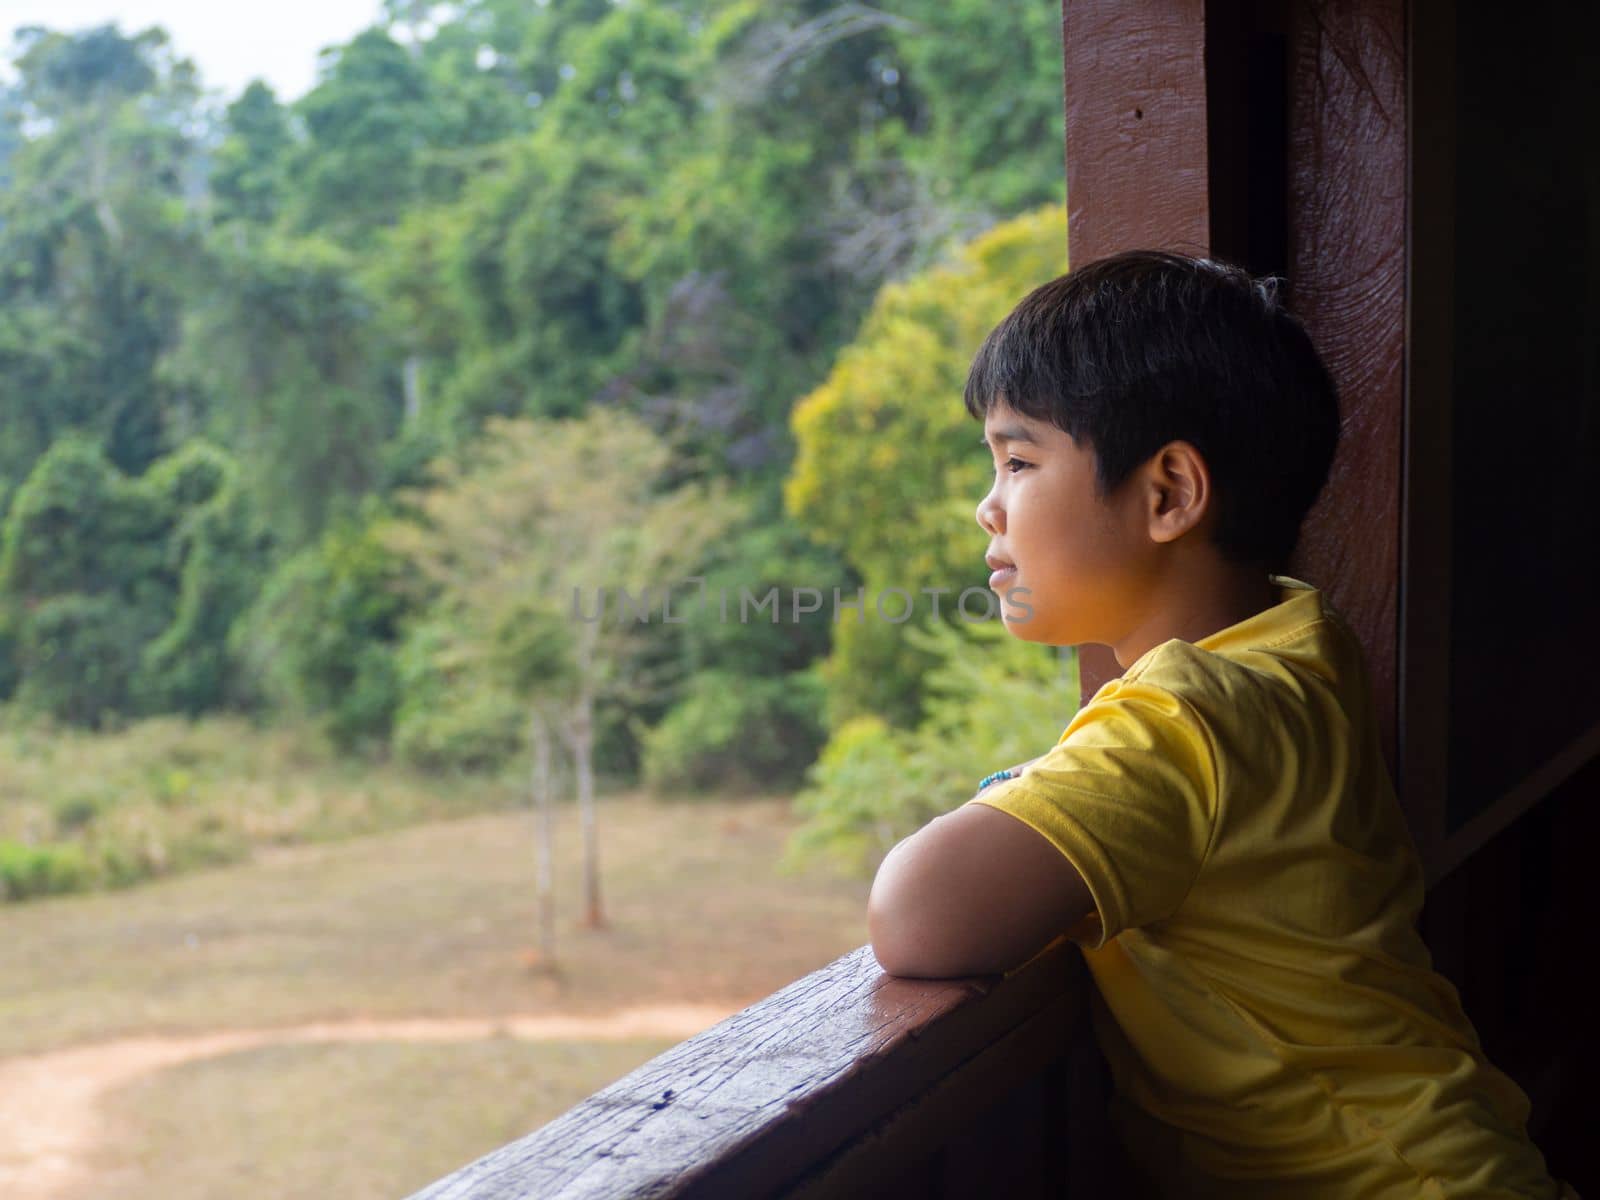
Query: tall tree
[(94, 243), (122, 590), (367, 123), (545, 514), (249, 172), (986, 113), (289, 369), (889, 467)]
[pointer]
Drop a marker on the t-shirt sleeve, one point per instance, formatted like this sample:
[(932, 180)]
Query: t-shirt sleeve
[(1129, 795)]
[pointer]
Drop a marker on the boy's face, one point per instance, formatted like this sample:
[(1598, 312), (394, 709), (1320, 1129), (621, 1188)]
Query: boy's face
[(1086, 564)]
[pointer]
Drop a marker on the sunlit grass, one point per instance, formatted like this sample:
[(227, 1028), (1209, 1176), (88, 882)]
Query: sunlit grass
[(361, 1122), (432, 920), (80, 811)]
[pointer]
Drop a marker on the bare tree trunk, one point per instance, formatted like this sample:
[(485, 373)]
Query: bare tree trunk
[(581, 735), (100, 185), (411, 384), (543, 799)]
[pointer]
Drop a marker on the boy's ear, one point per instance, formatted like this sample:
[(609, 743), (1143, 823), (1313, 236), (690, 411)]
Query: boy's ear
[(1179, 489)]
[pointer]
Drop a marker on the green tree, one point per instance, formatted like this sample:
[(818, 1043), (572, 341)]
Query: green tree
[(542, 511), (289, 369), (367, 123), (121, 591), (987, 125), (889, 468), (223, 549), (324, 630), (249, 173), (993, 701), (94, 242)]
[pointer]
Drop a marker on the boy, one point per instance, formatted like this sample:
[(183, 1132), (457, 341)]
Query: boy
[(1216, 829)]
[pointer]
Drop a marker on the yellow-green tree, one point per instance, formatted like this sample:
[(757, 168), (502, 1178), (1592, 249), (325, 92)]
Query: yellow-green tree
[(888, 466), (519, 541)]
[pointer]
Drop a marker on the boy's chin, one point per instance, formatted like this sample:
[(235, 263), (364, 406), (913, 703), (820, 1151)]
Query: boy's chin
[(1035, 630), (1029, 631)]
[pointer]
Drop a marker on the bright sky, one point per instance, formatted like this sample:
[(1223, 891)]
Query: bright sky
[(230, 41)]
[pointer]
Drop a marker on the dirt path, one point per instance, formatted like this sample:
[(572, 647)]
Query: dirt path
[(49, 1103)]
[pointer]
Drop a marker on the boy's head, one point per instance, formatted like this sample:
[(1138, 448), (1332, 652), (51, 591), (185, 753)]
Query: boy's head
[(1148, 354)]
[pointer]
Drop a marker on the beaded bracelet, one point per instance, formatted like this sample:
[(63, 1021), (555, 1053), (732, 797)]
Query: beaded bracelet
[(995, 778)]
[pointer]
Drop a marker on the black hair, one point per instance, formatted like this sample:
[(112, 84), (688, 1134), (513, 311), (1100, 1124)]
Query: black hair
[(1132, 351)]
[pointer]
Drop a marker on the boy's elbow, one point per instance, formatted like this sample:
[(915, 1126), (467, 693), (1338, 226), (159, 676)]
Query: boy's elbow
[(891, 946), (883, 914), (901, 940), (886, 933), (880, 919)]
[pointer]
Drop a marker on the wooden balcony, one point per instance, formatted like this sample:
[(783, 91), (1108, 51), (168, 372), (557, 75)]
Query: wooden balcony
[(846, 1082)]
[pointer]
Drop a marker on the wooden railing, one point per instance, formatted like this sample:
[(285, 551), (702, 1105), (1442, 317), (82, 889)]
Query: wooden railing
[(846, 1082)]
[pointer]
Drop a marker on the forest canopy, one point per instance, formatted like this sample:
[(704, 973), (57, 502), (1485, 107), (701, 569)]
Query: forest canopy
[(261, 362)]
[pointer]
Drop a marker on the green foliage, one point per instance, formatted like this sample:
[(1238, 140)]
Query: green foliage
[(121, 592), (875, 668), (888, 466), (167, 794), (73, 813), (224, 550), (285, 361), (64, 74), (889, 469), (94, 244), (450, 717), (249, 176), (767, 551), (83, 566), (30, 871), (857, 794), (987, 81), (671, 212), (365, 121), (735, 732), (505, 536), (994, 702), (322, 636), (9, 668), (79, 657)]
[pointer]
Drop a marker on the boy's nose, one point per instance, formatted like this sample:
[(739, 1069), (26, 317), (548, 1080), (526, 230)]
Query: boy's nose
[(991, 517)]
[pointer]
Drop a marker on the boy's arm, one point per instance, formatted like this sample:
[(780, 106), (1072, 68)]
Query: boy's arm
[(973, 892)]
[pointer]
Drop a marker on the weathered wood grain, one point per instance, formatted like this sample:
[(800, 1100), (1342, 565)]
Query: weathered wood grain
[(780, 1092), (1347, 272), (1135, 126)]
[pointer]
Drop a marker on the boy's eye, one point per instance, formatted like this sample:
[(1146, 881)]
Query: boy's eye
[(1016, 464)]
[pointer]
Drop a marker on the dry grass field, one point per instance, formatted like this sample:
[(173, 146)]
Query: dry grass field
[(431, 921)]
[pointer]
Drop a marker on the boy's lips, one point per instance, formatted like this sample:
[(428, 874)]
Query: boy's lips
[(1003, 570), (1001, 577)]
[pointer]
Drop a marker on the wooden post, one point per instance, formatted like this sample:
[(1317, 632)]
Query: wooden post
[(1273, 136)]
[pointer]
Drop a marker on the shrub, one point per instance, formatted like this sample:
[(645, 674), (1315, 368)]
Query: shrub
[(857, 796), (450, 719), (733, 731), (27, 871), (993, 701), (72, 813), (322, 635)]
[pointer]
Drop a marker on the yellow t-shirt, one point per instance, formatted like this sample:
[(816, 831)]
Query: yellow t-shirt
[(1269, 1012)]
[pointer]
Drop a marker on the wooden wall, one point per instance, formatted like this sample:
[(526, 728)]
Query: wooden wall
[(1273, 136), (1426, 176)]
